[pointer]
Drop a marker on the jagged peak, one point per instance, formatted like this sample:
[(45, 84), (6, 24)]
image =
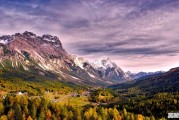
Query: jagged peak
[(45, 37), (5, 39), (104, 62), (50, 38), (29, 33)]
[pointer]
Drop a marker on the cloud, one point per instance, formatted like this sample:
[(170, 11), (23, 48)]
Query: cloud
[(121, 29)]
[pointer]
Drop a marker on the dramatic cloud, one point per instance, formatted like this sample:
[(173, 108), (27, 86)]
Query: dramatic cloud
[(140, 35)]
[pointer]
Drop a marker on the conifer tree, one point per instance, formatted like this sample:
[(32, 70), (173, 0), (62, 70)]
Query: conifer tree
[(32, 109), (17, 112), (41, 116)]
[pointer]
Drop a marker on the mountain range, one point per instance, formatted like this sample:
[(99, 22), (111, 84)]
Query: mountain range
[(142, 74), (158, 83), (45, 56)]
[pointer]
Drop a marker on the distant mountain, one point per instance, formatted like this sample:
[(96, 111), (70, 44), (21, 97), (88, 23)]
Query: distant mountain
[(87, 67), (109, 70), (147, 95), (103, 68), (41, 55), (164, 82), (142, 74)]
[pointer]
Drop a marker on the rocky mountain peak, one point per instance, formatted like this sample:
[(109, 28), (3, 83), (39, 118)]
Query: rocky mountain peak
[(30, 34), (104, 62), (50, 38), (44, 40)]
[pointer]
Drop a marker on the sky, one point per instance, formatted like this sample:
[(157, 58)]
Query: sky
[(138, 35)]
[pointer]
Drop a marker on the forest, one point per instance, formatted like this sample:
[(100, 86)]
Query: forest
[(26, 108), (56, 100), (27, 100)]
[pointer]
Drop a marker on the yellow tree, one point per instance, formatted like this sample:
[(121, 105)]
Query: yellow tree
[(29, 118), (3, 117), (10, 114), (140, 117), (1, 108), (48, 115)]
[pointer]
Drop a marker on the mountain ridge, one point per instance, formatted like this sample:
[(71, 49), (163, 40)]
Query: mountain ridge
[(45, 54)]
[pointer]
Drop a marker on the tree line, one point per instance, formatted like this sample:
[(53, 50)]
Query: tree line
[(26, 108)]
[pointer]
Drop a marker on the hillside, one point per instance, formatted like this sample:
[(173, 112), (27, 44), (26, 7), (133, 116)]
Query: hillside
[(156, 95), (166, 82)]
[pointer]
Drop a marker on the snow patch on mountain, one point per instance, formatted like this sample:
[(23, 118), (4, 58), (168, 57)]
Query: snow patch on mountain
[(79, 61), (91, 75), (104, 63), (50, 38), (74, 77), (5, 39)]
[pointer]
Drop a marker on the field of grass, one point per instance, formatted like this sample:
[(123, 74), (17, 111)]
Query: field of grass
[(68, 99)]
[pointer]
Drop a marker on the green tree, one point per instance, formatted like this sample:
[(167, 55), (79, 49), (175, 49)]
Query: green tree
[(64, 113), (17, 112), (54, 117), (41, 116), (8, 103), (32, 109)]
